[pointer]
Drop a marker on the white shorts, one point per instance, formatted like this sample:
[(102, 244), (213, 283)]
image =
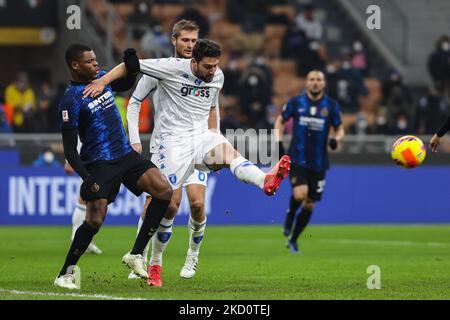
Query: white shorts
[(180, 160)]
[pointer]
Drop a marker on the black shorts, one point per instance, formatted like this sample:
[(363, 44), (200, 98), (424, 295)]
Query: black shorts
[(110, 174), (314, 180)]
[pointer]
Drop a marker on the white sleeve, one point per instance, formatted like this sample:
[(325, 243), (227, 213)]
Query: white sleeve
[(79, 145), (145, 86), (160, 69)]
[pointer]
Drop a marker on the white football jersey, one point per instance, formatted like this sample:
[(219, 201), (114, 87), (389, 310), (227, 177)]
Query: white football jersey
[(147, 86), (182, 102)]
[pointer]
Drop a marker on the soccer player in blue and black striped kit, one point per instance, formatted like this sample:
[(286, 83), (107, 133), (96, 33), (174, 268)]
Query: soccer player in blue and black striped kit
[(313, 113), (106, 159)]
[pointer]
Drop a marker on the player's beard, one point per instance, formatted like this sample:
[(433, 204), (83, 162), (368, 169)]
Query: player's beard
[(201, 77), (315, 94), (179, 54)]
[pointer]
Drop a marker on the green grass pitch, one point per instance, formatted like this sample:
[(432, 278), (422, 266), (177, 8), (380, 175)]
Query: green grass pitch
[(239, 262)]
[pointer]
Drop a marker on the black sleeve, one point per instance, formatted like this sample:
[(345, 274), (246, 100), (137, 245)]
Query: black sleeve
[(444, 128), (70, 140), (124, 83)]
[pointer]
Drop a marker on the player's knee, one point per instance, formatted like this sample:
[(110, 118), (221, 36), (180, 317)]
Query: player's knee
[(299, 197), (164, 192), (300, 194), (197, 207), (308, 204), (96, 214), (95, 222), (172, 210)]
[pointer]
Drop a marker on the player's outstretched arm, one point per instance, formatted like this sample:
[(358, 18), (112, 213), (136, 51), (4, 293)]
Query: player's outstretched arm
[(437, 138), (133, 109), (435, 142), (97, 86), (130, 67), (132, 64)]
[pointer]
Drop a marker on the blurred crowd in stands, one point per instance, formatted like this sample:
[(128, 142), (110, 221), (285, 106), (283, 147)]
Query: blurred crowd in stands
[(267, 54)]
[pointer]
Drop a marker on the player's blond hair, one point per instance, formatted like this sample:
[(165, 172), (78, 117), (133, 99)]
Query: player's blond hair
[(184, 25)]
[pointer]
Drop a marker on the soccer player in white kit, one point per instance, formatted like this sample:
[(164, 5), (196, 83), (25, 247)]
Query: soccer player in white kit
[(184, 36), (188, 93)]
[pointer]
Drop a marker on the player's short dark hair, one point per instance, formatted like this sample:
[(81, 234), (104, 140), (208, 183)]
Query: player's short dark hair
[(316, 70), (206, 48), (184, 24), (74, 52)]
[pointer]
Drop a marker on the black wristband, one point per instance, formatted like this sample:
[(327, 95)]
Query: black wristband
[(444, 128)]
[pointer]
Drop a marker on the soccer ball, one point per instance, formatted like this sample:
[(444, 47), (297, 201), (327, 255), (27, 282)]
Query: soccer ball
[(408, 152)]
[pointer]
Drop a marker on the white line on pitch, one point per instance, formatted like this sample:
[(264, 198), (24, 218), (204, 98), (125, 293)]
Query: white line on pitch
[(74, 295), (387, 243)]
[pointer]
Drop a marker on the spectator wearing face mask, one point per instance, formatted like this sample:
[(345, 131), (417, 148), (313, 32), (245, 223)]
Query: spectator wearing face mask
[(431, 109), (359, 58), (397, 101), (46, 159), (345, 84), (439, 63), (308, 22), (141, 18)]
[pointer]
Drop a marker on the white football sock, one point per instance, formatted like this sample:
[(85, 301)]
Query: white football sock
[(145, 252), (78, 216), (247, 172), (196, 232), (160, 240)]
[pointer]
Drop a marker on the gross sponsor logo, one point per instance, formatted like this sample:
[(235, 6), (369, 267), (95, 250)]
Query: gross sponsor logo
[(189, 90)]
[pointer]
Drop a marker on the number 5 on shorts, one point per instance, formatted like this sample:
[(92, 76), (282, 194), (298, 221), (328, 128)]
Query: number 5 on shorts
[(320, 186)]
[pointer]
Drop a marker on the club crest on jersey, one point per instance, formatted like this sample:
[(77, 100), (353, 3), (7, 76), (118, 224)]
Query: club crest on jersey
[(324, 112), (198, 82), (65, 116), (173, 179), (313, 110)]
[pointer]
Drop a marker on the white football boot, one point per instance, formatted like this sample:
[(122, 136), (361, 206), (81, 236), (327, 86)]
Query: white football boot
[(136, 263), (66, 281), (133, 275), (190, 267), (93, 249)]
